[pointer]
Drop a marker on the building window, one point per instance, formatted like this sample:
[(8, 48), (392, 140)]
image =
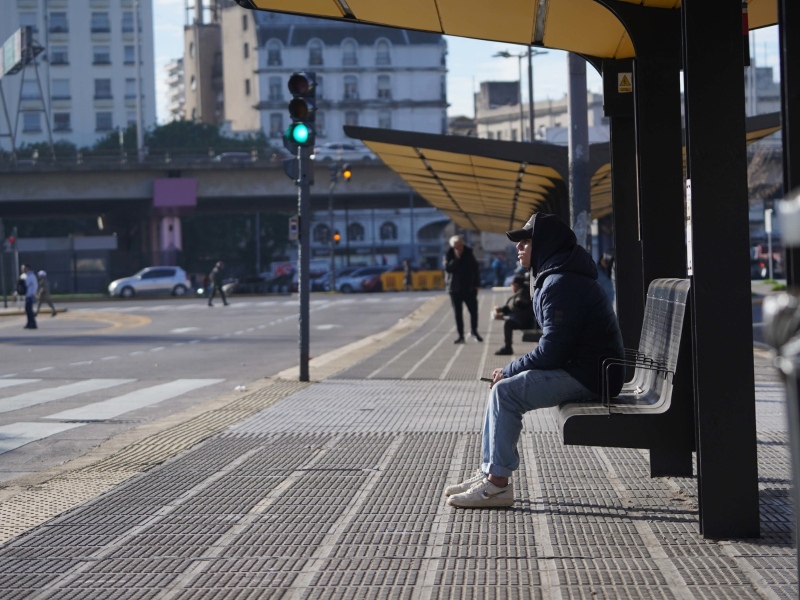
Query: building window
[(130, 89), (31, 122), (315, 52), (350, 87), (130, 118), (59, 55), (276, 125), (351, 118), (322, 233), (384, 87), (102, 89), (320, 88), (101, 55), (30, 90), (355, 232), (60, 89), (28, 19), (101, 22), (246, 87), (382, 55), (62, 122), (274, 53), (103, 121), (246, 50), (275, 89), (388, 231), (244, 22), (58, 23), (130, 55), (127, 22), (193, 83), (349, 54), (384, 119)]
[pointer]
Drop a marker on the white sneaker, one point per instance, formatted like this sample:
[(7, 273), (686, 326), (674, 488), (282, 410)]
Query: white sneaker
[(484, 495), (460, 488)]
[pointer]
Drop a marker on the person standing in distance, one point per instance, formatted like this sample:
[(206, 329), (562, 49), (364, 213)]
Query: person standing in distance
[(462, 279), (31, 288), (215, 281)]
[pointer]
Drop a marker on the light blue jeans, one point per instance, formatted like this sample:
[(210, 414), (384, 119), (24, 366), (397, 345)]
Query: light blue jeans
[(511, 398)]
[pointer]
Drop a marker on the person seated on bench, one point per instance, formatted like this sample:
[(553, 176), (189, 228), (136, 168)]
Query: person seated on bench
[(517, 313), (579, 329)]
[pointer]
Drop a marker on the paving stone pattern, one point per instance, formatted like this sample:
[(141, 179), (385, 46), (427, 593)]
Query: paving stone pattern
[(336, 491)]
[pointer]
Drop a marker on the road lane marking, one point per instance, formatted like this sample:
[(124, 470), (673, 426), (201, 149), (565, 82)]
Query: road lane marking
[(4, 383), (113, 407), (184, 329), (18, 434), (43, 369), (58, 393)]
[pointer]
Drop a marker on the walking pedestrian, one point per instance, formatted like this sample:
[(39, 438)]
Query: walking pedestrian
[(44, 294), (462, 279), (31, 287), (215, 281), (579, 330), (407, 276)]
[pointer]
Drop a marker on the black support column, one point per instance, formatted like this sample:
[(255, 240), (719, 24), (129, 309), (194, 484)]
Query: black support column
[(789, 20), (721, 307), (618, 107), (655, 34)]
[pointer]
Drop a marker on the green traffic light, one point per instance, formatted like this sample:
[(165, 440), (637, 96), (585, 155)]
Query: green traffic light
[(299, 133)]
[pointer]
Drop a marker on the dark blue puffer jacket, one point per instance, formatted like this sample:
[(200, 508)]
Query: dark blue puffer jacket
[(579, 326)]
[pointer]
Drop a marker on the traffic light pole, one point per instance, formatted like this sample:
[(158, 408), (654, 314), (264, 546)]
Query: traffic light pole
[(303, 205)]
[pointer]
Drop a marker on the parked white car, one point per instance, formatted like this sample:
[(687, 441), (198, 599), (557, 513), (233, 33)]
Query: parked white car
[(342, 152), (151, 281)]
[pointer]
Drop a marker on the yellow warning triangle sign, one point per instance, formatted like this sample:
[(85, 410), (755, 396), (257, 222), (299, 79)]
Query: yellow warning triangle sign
[(625, 82)]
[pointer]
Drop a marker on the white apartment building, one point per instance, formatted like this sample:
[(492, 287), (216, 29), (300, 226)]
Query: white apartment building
[(498, 116), (369, 76), (176, 91), (87, 71)]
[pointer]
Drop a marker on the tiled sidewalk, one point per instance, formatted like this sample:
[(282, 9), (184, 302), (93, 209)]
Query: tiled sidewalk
[(335, 491)]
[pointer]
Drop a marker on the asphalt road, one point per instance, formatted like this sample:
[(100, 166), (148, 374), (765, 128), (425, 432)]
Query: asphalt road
[(99, 369)]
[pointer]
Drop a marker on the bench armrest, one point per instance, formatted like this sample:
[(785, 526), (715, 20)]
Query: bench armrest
[(639, 362)]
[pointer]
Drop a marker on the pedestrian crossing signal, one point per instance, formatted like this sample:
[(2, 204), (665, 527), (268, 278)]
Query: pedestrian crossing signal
[(346, 172)]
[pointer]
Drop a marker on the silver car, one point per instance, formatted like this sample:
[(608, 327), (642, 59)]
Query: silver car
[(151, 281), (342, 151)]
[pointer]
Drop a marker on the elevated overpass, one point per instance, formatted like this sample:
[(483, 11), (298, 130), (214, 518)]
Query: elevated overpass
[(51, 190)]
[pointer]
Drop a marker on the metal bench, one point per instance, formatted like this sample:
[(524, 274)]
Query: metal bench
[(647, 413)]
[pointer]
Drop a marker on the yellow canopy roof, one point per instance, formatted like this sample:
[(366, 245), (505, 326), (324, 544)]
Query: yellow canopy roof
[(582, 26)]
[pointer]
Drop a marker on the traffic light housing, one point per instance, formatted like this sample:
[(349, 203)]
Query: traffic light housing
[(336, 236), (302, 111), (347, 173)]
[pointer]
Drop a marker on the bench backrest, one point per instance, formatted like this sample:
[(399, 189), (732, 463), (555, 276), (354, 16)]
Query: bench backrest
[(660, 339)]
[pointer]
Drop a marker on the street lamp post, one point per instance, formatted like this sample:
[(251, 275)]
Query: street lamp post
[(530, 53)]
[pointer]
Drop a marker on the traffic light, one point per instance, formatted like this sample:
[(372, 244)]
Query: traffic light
[(346, 172), (302, 110), (336, 236)]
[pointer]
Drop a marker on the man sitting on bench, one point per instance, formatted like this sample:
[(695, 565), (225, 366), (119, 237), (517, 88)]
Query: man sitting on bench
[(579, 329), (516, 313)]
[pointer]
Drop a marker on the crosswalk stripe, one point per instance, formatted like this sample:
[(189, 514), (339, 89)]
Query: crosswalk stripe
[(18, 434), (4, 383), (113, 407), (58, 393)]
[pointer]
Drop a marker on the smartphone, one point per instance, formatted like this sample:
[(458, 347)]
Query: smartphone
[(489, 379)]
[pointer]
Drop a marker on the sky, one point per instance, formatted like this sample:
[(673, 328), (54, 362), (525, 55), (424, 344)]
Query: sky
[(469, 62)]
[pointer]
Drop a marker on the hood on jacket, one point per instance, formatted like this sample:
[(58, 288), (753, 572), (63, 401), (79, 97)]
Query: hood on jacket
[(555, 249)]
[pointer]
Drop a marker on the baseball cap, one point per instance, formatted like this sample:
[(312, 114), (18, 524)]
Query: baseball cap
[(526, 233)]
